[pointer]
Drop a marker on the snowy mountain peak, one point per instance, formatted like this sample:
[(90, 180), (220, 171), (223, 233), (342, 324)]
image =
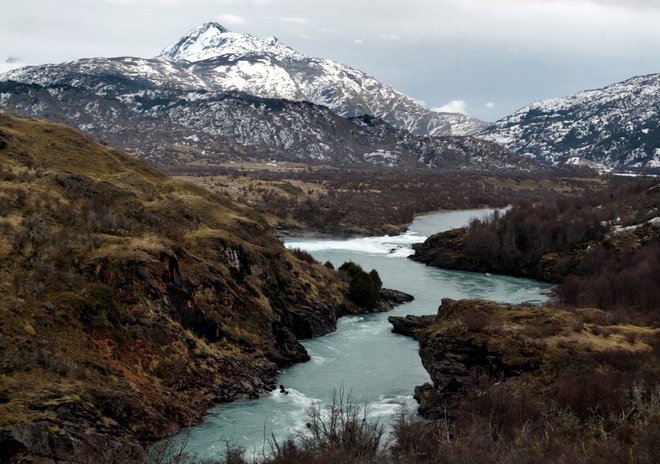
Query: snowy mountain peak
[(211, 26), (212, 40), (202, 39)]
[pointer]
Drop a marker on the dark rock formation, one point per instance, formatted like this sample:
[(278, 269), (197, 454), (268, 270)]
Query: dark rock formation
[(388, 299), (466, 338), (409, 325)]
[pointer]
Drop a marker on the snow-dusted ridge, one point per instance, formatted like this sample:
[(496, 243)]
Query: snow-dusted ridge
[(217, 95), (267, 68), (615, 127), (212, 58), (174, 123)]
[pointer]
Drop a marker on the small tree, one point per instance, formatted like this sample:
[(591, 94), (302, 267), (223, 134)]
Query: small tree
[(364, 288), (375, 278)]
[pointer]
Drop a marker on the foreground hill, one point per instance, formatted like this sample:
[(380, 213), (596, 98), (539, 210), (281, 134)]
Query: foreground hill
[(616, 127), (131, 302)]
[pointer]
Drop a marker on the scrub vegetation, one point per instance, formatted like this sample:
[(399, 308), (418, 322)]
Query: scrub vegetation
[(603, 247), (376, 201)]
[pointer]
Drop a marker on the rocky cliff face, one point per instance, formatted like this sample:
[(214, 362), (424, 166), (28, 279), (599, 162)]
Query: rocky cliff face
[(131, 302)]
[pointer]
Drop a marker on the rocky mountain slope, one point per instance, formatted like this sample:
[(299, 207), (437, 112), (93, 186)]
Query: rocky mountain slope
[(616, 127), (122, 102), (131, 302), (267, 68)]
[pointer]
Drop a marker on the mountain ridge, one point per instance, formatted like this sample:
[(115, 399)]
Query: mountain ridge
[(171, 123), (612, 128), (346, 90), (212, 58)]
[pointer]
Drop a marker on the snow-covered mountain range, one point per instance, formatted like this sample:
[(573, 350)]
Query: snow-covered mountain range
[(616, 127), (173, 127), (267, 68), (217, 95), (214, 59)]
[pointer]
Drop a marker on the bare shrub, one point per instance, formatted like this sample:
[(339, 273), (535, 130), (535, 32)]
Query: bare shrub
[(474, 319), (343, 427), (303, 255)]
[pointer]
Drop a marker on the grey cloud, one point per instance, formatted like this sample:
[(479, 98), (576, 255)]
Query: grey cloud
[(449, 50)]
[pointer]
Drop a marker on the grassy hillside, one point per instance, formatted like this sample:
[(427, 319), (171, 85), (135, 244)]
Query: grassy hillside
[(130, 302)]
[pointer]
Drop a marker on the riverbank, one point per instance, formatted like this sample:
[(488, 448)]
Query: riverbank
[(602, 248), (132, 302), (533, 381), (371, 202)]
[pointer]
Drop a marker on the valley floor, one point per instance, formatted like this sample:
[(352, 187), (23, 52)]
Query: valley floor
[(372, 201)]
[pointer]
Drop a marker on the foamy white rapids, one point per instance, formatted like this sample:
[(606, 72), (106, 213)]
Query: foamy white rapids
[(398, 246), (388, 406)]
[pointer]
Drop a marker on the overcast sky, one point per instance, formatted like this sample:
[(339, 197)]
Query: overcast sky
[(485, 58)]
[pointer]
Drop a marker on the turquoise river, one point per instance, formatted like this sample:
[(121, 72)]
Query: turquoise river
[(379, 368)]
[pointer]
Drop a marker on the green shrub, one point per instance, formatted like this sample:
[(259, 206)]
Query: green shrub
[(364, 288), (100, 312)]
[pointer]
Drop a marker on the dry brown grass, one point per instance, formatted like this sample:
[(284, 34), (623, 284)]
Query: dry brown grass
[(368, 201)]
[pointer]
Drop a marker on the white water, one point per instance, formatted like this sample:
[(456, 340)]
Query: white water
[(379, 368)]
